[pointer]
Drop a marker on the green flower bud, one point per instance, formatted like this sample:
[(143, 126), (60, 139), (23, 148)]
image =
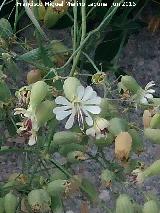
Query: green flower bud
[(124, 204), (10, 203), (76, 156), (117, 125), (130, 84), (58, 187), (152, 170), (44, 112), (150, 207), (108, 109), (57, 174), (66, 148), (70, 87), (107, 177), (39, 200), (137, 143), (66, 137), (103, 142), (2, 205), (51, 18), (38, 93), (153, 135), (155, 121)]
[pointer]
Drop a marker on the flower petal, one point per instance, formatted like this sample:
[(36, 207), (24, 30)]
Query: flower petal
[(88, 93), (151, 91), (62, 114), (91, 132), (88, 118), (93, 109), (150, 84), (144, 100), (70, 121), (80, 92), (60, 109), (93, 101), (32, 140), (62, 100), (149, 96)]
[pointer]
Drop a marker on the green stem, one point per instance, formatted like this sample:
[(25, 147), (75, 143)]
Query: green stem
[(91, 61), (75, 27), (76, 58)]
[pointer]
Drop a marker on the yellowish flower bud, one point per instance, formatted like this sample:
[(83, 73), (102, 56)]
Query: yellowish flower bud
[(147, 116), (123, 144), (33, 76)]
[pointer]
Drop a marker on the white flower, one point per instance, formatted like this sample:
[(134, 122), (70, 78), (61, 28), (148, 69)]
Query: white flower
[(29, 124), (85, 102), (99, 129), (145, 95)]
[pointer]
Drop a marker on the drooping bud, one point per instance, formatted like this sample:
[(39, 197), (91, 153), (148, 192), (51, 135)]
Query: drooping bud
[(155, 121), (39, 200), (70, 87), (153, 135), (38, 93), (33, 76), (44, 112), (150, 171), (117, 125), (58, 187), (76, 156), (123, 144), (150, 207), (108, 109), (56, 174), (10, 203), (130, 84), (66, 137), (107, 177), (124, 204), (137, 143), (66, 148), (147, 116)]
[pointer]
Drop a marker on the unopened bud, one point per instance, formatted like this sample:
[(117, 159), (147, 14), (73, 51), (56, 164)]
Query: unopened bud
[(123, 144), (130, 84)]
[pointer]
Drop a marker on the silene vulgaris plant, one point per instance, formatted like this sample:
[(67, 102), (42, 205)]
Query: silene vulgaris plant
[(70, 117)]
